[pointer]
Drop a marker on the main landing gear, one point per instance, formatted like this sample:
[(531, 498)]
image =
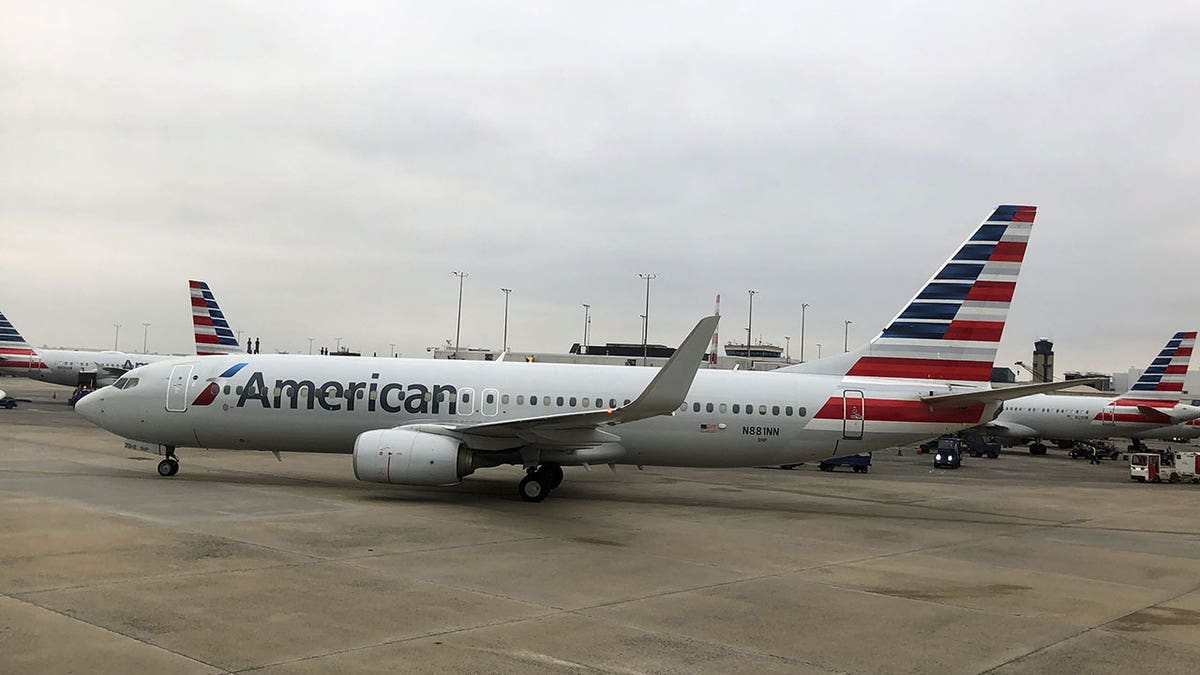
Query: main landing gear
[(539, 481), (1036, 448), (170, 465)]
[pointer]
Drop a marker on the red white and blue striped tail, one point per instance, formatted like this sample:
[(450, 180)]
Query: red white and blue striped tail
[(1167, 371), (213, 334), (16, 355), (950, 330)]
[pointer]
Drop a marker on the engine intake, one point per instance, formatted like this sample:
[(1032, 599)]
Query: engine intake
[(406, 457)]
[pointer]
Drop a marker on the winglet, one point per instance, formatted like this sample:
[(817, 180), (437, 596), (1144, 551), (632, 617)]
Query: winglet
[(670, 386)]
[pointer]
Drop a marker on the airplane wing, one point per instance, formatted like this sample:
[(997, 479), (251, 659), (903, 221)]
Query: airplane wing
[(1001, 393), (665, 393)]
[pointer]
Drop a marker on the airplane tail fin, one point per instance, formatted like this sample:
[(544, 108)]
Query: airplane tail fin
[(1167, 371), (16, 354), (213, 334), (951, 328)]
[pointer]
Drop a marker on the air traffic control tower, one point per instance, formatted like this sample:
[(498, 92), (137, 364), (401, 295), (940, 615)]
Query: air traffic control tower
[(1043, 360)]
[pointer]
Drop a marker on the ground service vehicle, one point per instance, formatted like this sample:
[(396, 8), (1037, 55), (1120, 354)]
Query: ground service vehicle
[(859, 463), (948, 454), (1151, 467)]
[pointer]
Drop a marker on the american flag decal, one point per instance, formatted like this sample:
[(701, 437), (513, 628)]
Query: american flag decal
[(708, 428)]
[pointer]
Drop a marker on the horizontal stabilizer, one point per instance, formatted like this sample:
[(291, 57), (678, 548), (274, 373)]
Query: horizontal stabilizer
[(1177, 415), (1001, 393)]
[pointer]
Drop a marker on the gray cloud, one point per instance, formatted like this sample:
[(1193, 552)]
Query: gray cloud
[(326, 167)]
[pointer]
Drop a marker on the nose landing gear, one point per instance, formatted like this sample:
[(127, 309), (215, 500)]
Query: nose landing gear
[(539, 481), (170, 465)]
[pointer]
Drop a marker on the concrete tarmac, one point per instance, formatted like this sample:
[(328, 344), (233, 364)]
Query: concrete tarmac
[(244, 564)]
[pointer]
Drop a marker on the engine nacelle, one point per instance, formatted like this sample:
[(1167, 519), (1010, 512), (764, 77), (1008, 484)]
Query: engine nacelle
[(409, 457)]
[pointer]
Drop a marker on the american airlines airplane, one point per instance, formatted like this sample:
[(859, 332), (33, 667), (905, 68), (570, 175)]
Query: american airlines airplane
[(68, 367), (426, 422), (1151, 405)]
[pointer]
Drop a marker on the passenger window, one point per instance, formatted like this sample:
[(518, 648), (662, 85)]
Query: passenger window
[(683, 407), (724, 408), (762, 409), (774, 410), (504, 399), (801, 412), (490, 398), (520, 399), (749, 408), (787, 411), (560, 401), (708, 407), (736, 408), (572, 401), (586, 402), (239, 390), (599, 403), (466, 397), (226, 390), (612, 402), (695, 407), (626, 401)]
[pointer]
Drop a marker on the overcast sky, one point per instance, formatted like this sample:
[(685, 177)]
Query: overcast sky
[(326, 166)]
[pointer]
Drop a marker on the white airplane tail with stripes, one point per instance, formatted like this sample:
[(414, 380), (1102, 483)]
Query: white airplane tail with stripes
[(17, 356), (949, 331), (213, 334)]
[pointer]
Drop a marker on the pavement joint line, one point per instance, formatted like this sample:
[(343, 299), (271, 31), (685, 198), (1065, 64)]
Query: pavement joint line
[(1087, 629), (114, 632)]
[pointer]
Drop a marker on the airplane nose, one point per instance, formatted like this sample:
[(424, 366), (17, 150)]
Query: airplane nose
[(90, 406)]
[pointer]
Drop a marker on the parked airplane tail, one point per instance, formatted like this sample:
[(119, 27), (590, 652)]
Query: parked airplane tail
[(16, 355), (213, 334), (951, 328), (1167, 371)]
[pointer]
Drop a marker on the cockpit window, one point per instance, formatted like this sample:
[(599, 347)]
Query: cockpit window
[(125, 383)]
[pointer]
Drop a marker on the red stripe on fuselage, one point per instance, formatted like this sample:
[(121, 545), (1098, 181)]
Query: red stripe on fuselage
[(1008, 251), (890, 410), (979, 331), (922, 369), (994, 291), (1152, 402)]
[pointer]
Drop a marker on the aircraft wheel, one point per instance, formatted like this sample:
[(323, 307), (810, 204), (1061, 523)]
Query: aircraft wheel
[(552, 475), (532, 489), (1174, 478), (168, 467)]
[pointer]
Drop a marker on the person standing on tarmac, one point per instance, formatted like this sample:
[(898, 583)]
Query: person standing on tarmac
[(1095, 455)]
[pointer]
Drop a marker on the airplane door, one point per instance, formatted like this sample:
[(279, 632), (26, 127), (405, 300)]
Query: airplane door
[(1108, 415), (177, 389), (490, 403), (1152, 468), (853, 414)]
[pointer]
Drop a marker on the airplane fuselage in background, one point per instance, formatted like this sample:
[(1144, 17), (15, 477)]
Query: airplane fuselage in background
[(1077, 418), (64, 366), (322, 404)]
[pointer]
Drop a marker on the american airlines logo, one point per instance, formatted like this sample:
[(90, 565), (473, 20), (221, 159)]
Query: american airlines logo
[(391, 397)]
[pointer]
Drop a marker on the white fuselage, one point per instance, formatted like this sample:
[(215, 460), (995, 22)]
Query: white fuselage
[(64, 366), (1071, 418), (322, 404)]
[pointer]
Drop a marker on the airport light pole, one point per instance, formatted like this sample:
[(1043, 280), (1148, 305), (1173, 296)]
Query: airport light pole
[(803, 306), (787, 353), (145, 336), (846, 336), (116, 335), (338, 341), (646, 317), (310, 341), (818, 351), (504, 342), (587, 319), (458, 324), (750, 322)]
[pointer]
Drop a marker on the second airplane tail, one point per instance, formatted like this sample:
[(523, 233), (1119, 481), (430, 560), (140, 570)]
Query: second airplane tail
[(213, 334), (950, 330), (17, 356)]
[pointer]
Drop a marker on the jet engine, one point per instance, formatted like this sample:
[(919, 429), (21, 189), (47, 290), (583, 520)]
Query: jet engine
[(408, 457)]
